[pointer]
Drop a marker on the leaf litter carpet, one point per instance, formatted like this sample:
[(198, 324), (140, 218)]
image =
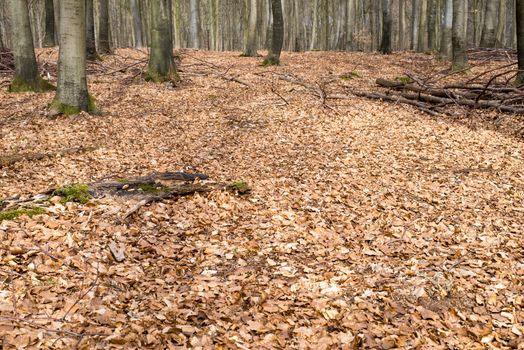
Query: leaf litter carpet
[(370, 225)]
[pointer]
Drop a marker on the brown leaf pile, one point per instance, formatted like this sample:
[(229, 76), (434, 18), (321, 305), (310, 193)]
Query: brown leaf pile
[(370, 225)]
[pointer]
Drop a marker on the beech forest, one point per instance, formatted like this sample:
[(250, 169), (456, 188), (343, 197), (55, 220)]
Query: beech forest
[(262, 174)]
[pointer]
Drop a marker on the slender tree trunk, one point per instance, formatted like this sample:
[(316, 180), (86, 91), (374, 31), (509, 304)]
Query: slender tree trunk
[(350, 24), (103, 33), (519, 11), (26, 70), (414, 25), (194, 24), (501, 25), (385, 45), (49, 37), (459, 33), (314, 30), (489, 35), (324, 29), (250, 49), (432, 25), (90, 31), (277, 38), (445, 42), (137, 23), (161, 63), (72, 95), (422, 45), (401, 24)]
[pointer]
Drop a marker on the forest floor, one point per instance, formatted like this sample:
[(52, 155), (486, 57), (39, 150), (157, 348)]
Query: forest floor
[(369, 225)]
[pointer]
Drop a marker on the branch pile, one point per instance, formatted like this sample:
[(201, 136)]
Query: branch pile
[(433, 99)]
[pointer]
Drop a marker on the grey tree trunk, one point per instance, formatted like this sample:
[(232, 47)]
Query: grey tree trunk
[(314, 30), (324, 29), (350, 24), (501, 25), (90, 31), (432, 25), (161, 63), (250, 49), (401, 24), (489, 35), (194, 24), (459, 33), (519, 11), (385, 45), (26, 70), (137, 23), (103, 25), (445, 42), (49, 37), (277, 38), (72, 95), (422, 45), (414, 24)]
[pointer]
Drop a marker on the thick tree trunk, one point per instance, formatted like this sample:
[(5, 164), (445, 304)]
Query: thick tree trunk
[(385, 45), (49, 37), (414, 24), (445, 42), (72, 96), (519, 11), (26, 71), (90, 31), (137, 23), (194, 24), (489, 35), (401, 24), (161, 63), (314, 29), (432, 25), (324, 29), (277, 38), (501, 25), (422, 45), (103, 25), (250, 49), (459, 32)]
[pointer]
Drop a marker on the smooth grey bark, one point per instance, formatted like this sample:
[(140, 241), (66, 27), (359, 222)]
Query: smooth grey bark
[(194, 24), (459, 33), (277, 37), (314, 29), (519, 12), (401, 24), (103, 25), (324, 28), (422, 45), (489, 35), (432, 25), (72, 95), (385, 45), (90, 30), (447, 26), (350, 24), (26, 70), (49, 37), (250, 49), (414, 24), (161, 63), (501, 25), (137, 23)]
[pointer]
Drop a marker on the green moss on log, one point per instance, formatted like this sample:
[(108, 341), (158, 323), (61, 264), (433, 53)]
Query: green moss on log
[(78, 193)]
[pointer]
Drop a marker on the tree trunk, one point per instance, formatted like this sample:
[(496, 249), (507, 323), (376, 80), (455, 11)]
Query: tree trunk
[(350, 25), (385, 45), (519, 11), (432, 25), (161, 63), (49, 37), (277, 38), (72, 96), (103, 25), (314, 30), (422, 45), (401, 24), (90, 31), (459, 32), (501, 25), (194, 24), (414, 25), (250, 49), (137, 23), (489, 35), (324, 29), (26, 70), (445, 43)]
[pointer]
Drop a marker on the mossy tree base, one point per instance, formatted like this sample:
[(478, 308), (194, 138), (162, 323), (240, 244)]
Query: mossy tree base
[(39, 85), (271, 61), (56, 107), (156, 77)]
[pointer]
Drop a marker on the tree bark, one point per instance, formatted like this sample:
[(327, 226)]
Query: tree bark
[(277, 38), (26, 70), (501, 25), (137, 23), (324, 29), (385, 45), (401, 24), (314, 29), (459, 31), (90, 31), (432, 25), (519, 11), (72, 95), (161, 63), (103, 33), (414, 24), (422, 45), (445, 43), (194, 24), (250, 49), (49, 37), (489, 35)]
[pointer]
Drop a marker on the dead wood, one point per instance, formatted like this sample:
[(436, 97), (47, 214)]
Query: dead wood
[(15, 158)]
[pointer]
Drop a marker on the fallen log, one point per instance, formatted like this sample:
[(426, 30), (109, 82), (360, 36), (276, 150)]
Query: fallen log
[(397, 99)]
